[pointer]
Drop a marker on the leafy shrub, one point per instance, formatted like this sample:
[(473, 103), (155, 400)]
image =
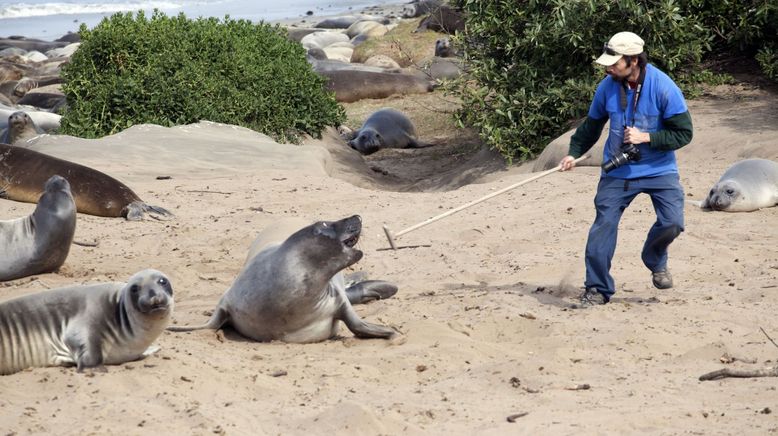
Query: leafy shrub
[(531, 61), (173, 70)]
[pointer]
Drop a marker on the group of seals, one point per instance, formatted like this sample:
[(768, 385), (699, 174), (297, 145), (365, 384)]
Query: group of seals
[(87, 326), (20, 128), (39, 242), (23, 171), (385, 128), (746, 186), (294, 290)]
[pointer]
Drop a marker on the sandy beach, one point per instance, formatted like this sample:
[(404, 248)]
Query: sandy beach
[(490, 340), (483, 307)]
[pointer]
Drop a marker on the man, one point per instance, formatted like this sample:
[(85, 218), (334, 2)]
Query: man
[(648, 121)]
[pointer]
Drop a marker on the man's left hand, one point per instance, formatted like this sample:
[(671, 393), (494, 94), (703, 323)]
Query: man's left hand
[(634, 136)]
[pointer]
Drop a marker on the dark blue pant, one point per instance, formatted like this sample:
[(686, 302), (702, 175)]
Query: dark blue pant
[(613, 197)]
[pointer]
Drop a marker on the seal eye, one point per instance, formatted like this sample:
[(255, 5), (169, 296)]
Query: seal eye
[(134, 289), (730, 191), (162, 281)]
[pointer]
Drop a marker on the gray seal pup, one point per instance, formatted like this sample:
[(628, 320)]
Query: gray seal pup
[(23, 171), (294, 292), (20, 128), (385, 128), (746, 186), (39, 242), (87, 326)]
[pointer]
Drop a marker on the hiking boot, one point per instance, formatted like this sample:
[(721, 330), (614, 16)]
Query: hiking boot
[(592, 297), (662, 279)]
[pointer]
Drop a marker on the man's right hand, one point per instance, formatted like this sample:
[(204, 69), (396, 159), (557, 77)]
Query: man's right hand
[(567, 163)]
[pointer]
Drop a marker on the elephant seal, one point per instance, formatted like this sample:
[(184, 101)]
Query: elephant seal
[(39, 242), (20, 128), (294, 291), (417, 8), (353, 82), (385, 128), (23, 170), (748, 185), (87, 326)]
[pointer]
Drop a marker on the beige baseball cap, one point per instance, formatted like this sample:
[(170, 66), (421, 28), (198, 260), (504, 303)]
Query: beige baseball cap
[(622, 43)]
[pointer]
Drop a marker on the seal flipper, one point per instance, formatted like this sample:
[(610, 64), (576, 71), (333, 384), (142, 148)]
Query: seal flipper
[(218, 319), (361, 328), (369, 290), (136, 209), (86, 353), (413, 143)]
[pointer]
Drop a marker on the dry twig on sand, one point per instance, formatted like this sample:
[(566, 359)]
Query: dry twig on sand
[(740, 373)]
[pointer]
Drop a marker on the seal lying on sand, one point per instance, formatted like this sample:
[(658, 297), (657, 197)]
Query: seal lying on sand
[(23, 171), (385, 128), (20, 128), (746, 186), (353, 82), (39, 242), (294, 291), (89, 326)]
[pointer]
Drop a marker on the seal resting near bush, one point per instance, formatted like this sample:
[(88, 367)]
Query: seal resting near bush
[(20, 128), (23, 171), (385, 128), (294, 291)]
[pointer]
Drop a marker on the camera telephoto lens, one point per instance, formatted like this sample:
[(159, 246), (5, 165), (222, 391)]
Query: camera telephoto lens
[(615, 162)]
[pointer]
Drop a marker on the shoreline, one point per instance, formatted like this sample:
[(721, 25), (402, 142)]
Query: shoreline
[(52, 27)]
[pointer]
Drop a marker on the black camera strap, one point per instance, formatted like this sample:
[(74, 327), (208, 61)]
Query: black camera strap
[(635, 97)]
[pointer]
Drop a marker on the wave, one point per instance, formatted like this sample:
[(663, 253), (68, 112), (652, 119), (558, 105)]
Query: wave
[(22, 10)]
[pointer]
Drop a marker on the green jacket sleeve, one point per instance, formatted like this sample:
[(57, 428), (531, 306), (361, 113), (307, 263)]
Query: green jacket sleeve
[(585, 136), (676, 132)]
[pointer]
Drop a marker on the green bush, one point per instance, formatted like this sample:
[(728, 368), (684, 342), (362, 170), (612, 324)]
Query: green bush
[(530, 62), (173, 70)]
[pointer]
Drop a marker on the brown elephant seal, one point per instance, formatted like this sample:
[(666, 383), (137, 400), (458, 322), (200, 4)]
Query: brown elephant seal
[(746, 186), (20, 128), (293, 291), (385, 128), (23, 171), (87, 326), (351, 82), (39, 242)]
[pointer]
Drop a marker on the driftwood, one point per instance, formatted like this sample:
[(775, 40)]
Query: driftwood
[(740, 373)]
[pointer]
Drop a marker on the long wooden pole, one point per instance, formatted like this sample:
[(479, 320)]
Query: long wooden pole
[(391, 237)]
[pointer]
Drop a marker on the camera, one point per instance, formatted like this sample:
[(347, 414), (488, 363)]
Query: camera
[(629, 152)]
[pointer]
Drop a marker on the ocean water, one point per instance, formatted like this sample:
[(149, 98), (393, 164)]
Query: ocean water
[(48, 20)]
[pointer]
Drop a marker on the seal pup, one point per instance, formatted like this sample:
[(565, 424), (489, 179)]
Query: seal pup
[(87, 326), (747, 185), (385, 128), (293, 291), (20, 128), (23, 170), (39, 242)]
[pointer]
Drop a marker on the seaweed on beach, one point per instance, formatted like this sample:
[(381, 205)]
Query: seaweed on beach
[(169, 71)]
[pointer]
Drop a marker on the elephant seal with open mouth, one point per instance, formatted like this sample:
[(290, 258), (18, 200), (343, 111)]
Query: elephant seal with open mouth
[(295, 292)]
